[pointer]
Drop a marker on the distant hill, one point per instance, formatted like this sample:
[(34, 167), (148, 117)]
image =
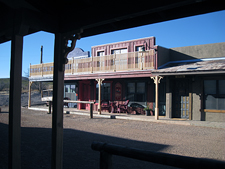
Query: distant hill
[(7, 79), (25, 78), (4, 84)]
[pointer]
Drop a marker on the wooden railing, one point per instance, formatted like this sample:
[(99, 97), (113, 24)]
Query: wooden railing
[(107, 150), (110, 63)]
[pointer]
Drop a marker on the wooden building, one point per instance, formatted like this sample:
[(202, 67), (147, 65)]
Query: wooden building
[(125, 71), (123, 68)]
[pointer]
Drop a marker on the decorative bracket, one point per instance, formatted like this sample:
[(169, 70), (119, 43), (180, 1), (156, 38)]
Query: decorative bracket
[(99, 81), (155, 78), (66, 48)]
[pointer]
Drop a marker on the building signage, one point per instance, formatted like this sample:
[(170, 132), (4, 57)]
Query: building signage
[(118, 91)]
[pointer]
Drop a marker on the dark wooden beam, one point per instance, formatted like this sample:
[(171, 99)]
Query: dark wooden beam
[(15, 102), (57, 115)]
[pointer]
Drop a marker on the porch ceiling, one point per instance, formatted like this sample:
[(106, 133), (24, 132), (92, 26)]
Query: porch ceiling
[(93, 16)]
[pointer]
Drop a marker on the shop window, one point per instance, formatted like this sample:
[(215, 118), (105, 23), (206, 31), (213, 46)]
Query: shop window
[(136, 91), (70, 92), (214, 92), (105, 91)]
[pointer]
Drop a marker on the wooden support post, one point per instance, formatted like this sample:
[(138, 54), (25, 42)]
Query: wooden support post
[(57, 116), (99, 94), (156, 99), (91, 111), (105, 160), (157, 81), (49, 107), (15, 103), (29, 94), (61, 51)]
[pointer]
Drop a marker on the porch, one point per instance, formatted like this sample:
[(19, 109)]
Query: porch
[(132, 61), (124, 116)]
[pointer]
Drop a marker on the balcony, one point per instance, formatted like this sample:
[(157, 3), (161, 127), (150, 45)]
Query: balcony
[(132, 61)]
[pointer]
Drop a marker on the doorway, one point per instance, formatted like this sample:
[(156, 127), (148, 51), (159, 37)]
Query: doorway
[(181, 99)]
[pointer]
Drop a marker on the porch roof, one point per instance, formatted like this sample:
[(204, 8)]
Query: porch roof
[(192, 67), (91, 17)]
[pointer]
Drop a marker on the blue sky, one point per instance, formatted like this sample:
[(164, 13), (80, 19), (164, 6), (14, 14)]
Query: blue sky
[(195, 30)]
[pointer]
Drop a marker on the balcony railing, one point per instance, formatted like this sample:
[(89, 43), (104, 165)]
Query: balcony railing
[(110, 63)]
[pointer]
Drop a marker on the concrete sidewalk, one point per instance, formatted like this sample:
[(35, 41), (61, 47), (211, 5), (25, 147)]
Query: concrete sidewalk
[(124, 116)]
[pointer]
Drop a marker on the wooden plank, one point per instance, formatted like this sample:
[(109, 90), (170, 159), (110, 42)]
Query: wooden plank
[(75, 101), (15, 103), (214, 111), (46, 99)]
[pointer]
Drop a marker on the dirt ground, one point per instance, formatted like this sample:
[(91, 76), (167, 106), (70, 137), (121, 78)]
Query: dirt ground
[(80, 132)]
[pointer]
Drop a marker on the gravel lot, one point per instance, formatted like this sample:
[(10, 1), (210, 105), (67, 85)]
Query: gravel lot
[(80, 132)]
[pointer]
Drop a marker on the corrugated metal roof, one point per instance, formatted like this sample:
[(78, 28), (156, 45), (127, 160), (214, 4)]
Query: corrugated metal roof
[(200, 66)]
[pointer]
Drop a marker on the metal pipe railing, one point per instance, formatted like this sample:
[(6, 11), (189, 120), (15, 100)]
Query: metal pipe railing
[(107, 150)]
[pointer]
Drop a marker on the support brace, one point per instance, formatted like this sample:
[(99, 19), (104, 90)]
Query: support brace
[(66, 49)]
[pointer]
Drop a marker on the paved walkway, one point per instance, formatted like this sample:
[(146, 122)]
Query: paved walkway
[(124, 116)]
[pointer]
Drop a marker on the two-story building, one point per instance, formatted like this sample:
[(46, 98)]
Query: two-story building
[(124, 71)]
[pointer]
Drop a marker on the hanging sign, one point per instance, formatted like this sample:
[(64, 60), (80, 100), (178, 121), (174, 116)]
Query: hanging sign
[(118, 91)]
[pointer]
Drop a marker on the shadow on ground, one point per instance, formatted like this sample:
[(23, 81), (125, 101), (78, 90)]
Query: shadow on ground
[(77, 152)]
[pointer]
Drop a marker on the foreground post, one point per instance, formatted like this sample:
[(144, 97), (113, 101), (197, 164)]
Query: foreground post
[(57, 116), (15, 102), (60, 59)]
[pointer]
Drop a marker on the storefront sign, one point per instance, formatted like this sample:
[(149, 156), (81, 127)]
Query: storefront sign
[(118, 91)]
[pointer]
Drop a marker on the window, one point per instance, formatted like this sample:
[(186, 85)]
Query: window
[(101, 53), (214, 92), (105, 91), (139, 48), (136, 91), (118, 51)]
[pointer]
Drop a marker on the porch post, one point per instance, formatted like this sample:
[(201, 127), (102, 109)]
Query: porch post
[(99, 94), (29, 94), (61, 51), (157, 81), (57, 116), (15, 103)]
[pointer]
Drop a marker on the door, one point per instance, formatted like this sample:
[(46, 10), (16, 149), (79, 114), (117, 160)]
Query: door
[(181, 98)]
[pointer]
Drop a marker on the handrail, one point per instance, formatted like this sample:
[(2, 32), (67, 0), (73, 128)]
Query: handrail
[(107, 150), (109, 63)]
